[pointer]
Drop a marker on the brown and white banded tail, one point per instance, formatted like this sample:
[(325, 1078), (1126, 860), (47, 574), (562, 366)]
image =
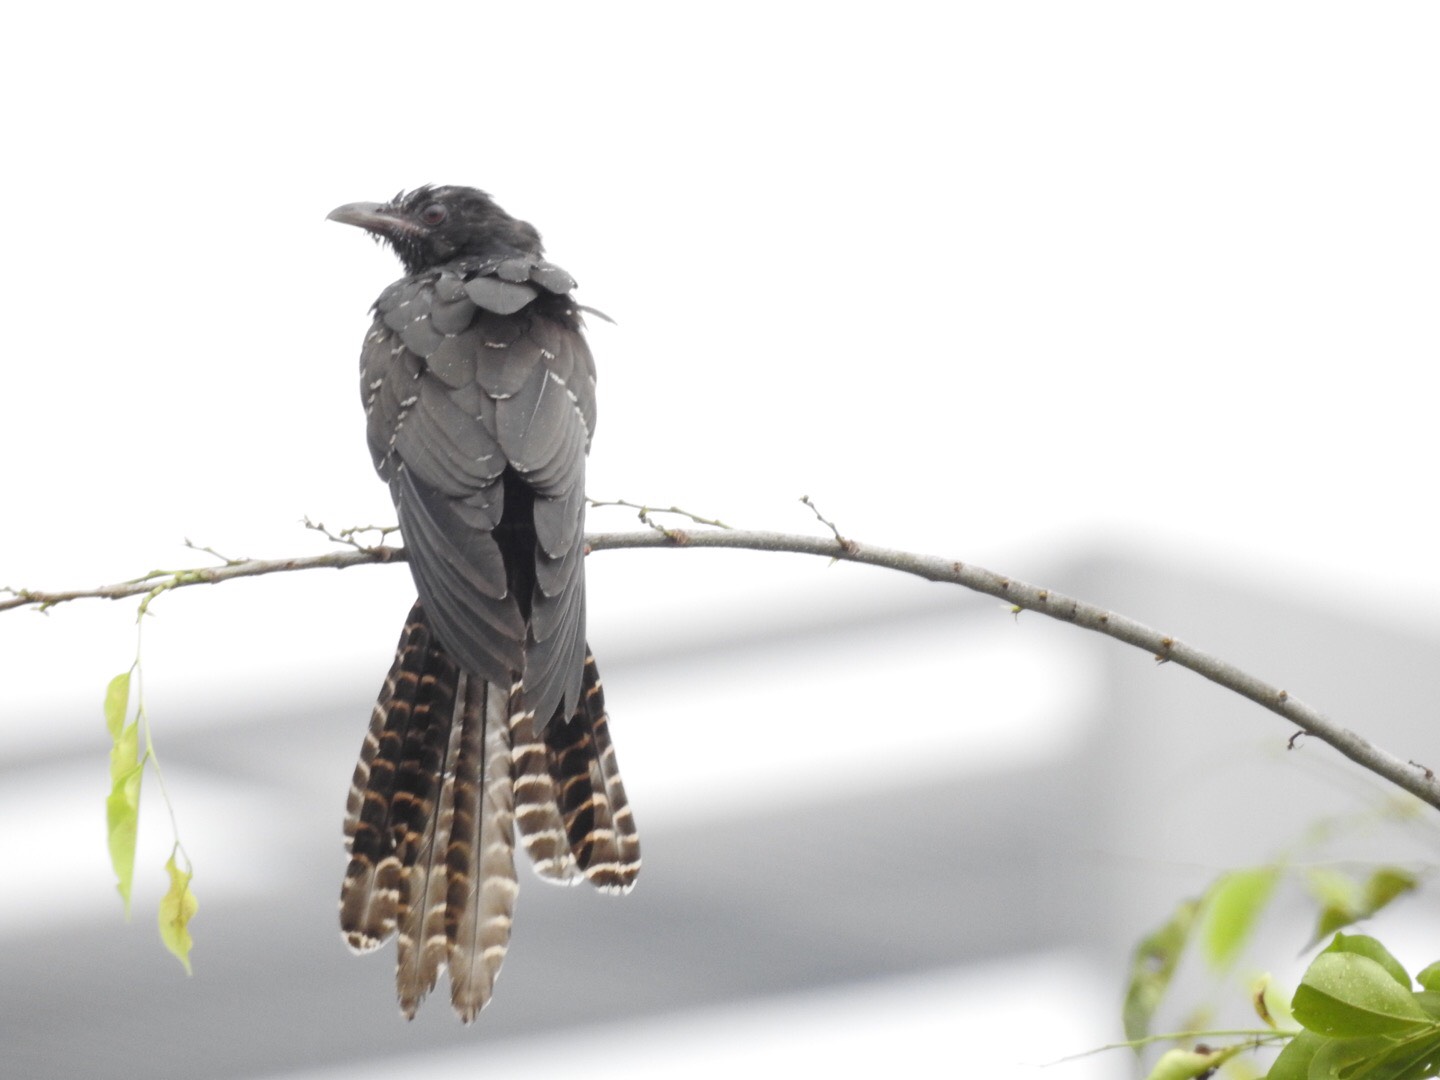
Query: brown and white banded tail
[(429, 827), (448, 770)]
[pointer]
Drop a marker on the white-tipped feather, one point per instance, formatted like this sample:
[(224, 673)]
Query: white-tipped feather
[(624, 847), (537, 816)]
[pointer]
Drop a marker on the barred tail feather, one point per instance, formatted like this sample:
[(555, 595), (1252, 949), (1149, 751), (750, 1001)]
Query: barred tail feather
[(590, 794), (370, 893), (627, 840), (480, 861), (420, 939), (451, 767), (537, 809)]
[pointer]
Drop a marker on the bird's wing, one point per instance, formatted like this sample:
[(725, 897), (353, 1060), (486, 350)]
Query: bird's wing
[(480, 397)]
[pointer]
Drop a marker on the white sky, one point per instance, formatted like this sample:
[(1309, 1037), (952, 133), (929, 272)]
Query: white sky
[(994, 280)]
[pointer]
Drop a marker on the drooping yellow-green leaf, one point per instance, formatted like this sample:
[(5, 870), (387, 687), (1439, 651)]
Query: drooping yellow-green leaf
[(122, 806), (1233, 905), (177, 908), (117, 700), (1152, 967)]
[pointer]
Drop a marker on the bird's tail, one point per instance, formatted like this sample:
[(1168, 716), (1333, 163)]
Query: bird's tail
[(570, 803), (449, 768)]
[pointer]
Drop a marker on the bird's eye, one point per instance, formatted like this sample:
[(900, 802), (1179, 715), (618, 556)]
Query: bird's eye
[(434, 213)]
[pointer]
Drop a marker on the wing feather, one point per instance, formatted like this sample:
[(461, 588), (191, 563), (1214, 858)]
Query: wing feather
[(458, 400)]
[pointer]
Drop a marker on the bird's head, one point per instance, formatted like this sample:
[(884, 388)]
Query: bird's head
[(432, 225)]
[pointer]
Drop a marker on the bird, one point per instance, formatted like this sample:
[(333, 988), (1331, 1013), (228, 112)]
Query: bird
[(479, 394)]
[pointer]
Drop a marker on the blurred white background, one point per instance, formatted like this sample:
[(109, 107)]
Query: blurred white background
[(1024, 284)]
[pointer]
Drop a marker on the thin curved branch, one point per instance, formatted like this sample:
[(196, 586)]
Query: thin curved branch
[(159, 581), (1417, 780)]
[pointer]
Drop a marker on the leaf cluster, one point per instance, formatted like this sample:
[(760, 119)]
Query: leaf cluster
[(1362, 1017), (1355, 1014), (122, 818)]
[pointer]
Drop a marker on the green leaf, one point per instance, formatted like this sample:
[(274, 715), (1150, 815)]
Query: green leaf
[(177, 908), (1378, 1057), (1330, 920), (117, 701), (1271, 1004), (1187, 1064), (1344, 901), (1418, 1058), (1349, 1059), (1364, 945), (1332, 888), (122, 807), (1385, 885), (1233, 905), (1347, 994), (1339, 900), (1153, 966), (1430, 977), (1294, 1060)]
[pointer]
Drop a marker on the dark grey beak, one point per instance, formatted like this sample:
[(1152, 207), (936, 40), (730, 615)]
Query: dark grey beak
[(372, 217)]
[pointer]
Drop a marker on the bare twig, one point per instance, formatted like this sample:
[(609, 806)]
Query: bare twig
[(347, 536), (211, 551), (842, 541), (1419, 781), (645, 512)]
